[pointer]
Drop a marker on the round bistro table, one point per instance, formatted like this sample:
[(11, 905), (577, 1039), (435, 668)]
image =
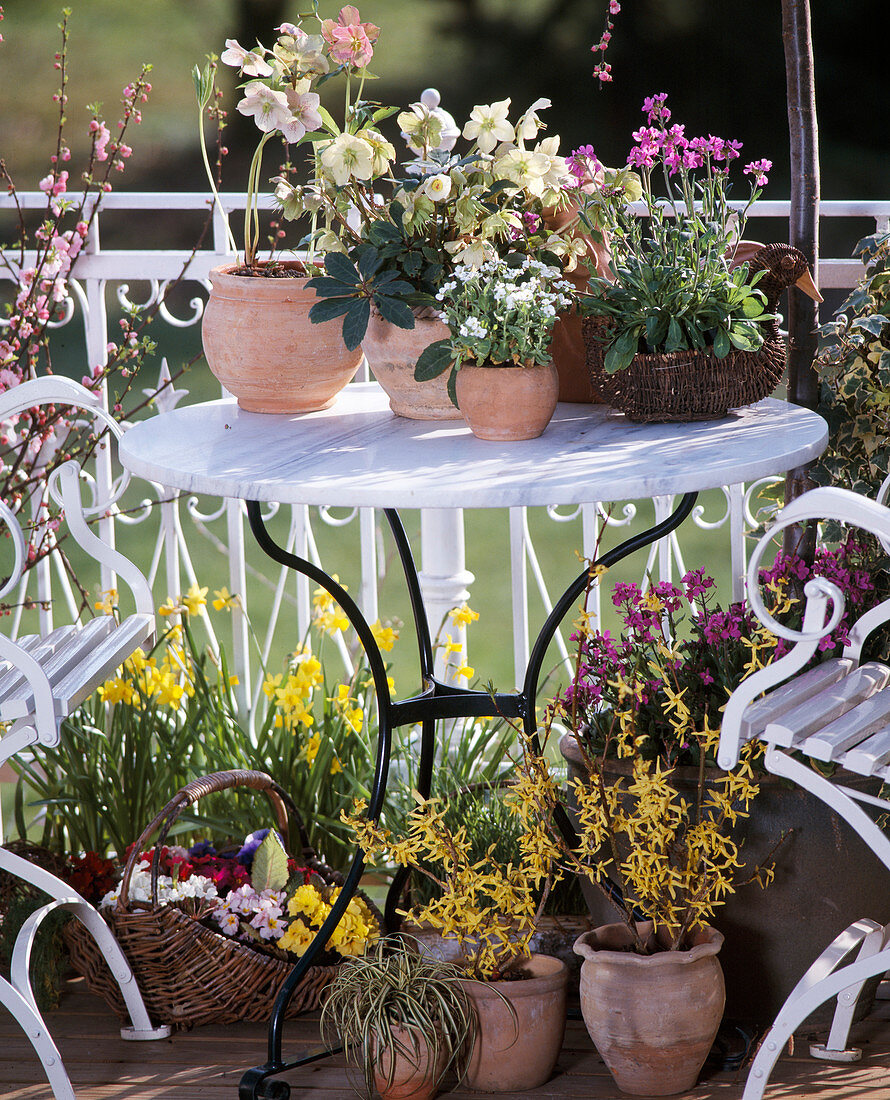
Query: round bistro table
[(359, 454)]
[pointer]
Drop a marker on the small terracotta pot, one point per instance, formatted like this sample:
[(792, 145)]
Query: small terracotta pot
[(415, 1076), (261, 345), (507, 403), (653, 1018), (514, 1052), (392, 354)]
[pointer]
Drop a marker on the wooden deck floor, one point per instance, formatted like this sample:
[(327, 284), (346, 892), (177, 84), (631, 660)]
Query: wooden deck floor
[(206, 1064)]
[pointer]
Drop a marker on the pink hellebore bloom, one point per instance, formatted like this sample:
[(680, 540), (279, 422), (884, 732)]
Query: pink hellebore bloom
[(249, 62), (350, 40), (269, 108), (304, 115)]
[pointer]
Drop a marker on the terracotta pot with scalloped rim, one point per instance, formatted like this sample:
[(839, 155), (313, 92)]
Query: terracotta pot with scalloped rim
[(261, 345), (654, 1017)]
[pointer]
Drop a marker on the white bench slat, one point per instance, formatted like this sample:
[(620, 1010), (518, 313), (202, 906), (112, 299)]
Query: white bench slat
[(773, 706), (101, 661), (870, 755), (847, 731), (815, 713), (58, 664), (41, 649)]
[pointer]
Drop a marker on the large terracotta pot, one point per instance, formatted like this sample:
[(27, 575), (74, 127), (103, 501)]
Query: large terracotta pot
[(392, 354), (653, 1018), (415, 1076), (517, 1049), (261, 345), (826, 878), (507, 403)]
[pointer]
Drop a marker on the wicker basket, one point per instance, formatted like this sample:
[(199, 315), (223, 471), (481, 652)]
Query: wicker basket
[(188, 973), (684, 385)]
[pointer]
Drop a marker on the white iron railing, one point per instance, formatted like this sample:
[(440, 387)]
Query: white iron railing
[(445, 579)]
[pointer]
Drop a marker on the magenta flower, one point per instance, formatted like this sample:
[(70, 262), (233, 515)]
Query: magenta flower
[(759, 170), (655, 109)]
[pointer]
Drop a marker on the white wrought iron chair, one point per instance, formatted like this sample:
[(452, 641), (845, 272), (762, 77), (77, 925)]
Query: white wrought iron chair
[(838, 712), (42, 680)]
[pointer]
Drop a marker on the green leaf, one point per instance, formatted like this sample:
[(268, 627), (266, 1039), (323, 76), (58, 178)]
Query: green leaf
[(269, 870), (452, 387), (369, 262), (328, 120), (340, 267), (433, 361), (394, 311), (621, 352), (675, 339), (355, 323), (745, 336), (721, 343), (329, 308), (873, 324), (752, 306), (383, 113), (326, 287)]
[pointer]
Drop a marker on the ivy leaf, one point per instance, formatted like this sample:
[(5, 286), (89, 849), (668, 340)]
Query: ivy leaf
[(269, 870), (873, 324), (433, 361)]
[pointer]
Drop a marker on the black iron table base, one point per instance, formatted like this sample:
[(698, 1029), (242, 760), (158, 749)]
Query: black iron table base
[(436, 701)]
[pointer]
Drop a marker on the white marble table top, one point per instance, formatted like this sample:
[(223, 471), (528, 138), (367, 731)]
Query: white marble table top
[(358, 453)]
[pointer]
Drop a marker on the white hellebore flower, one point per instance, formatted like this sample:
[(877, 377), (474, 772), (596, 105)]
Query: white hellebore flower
[(524, 168), (527, 127), (249, 62), (438, 187), (384, 151), (471, 253), (304, 115), (348, 157), (489, 125), (269, 108)]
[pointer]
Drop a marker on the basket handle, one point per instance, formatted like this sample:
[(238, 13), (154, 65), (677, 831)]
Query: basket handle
[(282, 805)]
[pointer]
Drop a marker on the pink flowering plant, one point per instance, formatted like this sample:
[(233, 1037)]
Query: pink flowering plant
[(680, 655), (673, 283)]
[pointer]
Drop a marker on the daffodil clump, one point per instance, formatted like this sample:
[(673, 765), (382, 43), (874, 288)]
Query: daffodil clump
[(490, 909)]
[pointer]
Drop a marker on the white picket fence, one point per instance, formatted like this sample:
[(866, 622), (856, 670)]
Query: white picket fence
[(445, 577)]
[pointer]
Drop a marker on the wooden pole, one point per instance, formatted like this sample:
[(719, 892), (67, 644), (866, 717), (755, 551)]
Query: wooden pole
[(803, 317)]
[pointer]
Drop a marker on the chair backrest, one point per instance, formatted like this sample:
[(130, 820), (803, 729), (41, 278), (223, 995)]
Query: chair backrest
[(46, 674), (826, 503)]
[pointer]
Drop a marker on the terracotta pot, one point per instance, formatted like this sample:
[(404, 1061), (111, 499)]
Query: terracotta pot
[(392, 354), (507, 403), (567, 347), (261, 345), (515, 1052), (653, 1018), (415, 1076), (825, 879)]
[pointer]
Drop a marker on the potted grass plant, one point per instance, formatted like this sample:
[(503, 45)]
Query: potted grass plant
[(404, 1018)]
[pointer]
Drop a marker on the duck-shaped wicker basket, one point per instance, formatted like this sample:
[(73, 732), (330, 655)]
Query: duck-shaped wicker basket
[(695, 384)]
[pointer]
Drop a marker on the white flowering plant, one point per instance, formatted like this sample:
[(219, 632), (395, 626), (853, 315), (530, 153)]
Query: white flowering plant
[(500, 314)]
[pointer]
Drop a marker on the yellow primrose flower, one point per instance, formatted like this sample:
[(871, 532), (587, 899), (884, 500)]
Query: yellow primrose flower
[(108, 602), (195, 599), (463, 615)]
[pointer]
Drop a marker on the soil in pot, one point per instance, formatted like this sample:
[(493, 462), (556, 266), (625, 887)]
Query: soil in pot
[(517, 1049), (261, 345)]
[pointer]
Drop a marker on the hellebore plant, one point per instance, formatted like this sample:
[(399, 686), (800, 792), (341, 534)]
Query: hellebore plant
[(279, 94), (674, 282)]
